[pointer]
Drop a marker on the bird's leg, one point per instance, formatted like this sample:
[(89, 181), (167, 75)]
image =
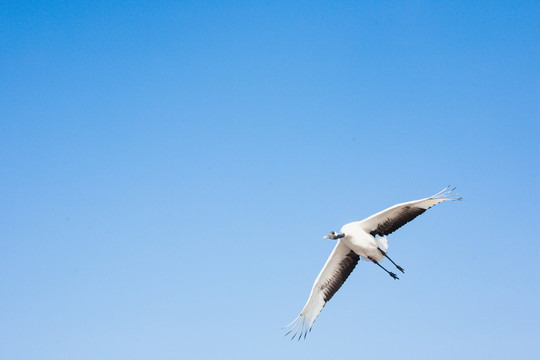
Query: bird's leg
[(382, 267), (392, 261)]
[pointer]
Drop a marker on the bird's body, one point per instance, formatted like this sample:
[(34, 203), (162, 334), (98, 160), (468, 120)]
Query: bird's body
[(364, 239), (362, 242)]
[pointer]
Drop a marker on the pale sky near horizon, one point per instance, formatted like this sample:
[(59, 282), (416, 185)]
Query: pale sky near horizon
[(168, 170)]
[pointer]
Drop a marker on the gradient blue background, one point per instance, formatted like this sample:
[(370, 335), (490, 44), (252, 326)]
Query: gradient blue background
[(168, 170)]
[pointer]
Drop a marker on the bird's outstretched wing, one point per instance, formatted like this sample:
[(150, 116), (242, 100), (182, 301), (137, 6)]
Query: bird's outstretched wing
[(337, 269), (391, 219)]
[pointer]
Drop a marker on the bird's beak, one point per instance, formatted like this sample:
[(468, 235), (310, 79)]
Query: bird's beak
[(326, 237)]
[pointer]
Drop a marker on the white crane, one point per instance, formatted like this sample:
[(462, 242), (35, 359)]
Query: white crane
[(359, 239)]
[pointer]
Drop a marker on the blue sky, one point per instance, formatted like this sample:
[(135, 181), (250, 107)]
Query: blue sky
[(168, 170)]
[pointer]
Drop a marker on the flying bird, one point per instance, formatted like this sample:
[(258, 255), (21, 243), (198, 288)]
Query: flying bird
[(364, 239)]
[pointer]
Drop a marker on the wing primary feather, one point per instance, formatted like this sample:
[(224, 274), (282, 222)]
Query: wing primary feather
[(300, 326), (443, 190), (301, 329), (296, 328), (295, 325), (292, 322)]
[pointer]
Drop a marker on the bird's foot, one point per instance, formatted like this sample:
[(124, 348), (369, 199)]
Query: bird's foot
[(400, 269), (393, 275)]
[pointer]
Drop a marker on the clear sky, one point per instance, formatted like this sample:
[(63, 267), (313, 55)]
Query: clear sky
[(168, 170)]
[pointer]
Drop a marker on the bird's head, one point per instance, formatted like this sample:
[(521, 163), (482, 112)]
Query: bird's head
[(334, 236)]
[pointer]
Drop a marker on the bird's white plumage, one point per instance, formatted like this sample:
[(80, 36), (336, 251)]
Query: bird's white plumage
[(362, 239)]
